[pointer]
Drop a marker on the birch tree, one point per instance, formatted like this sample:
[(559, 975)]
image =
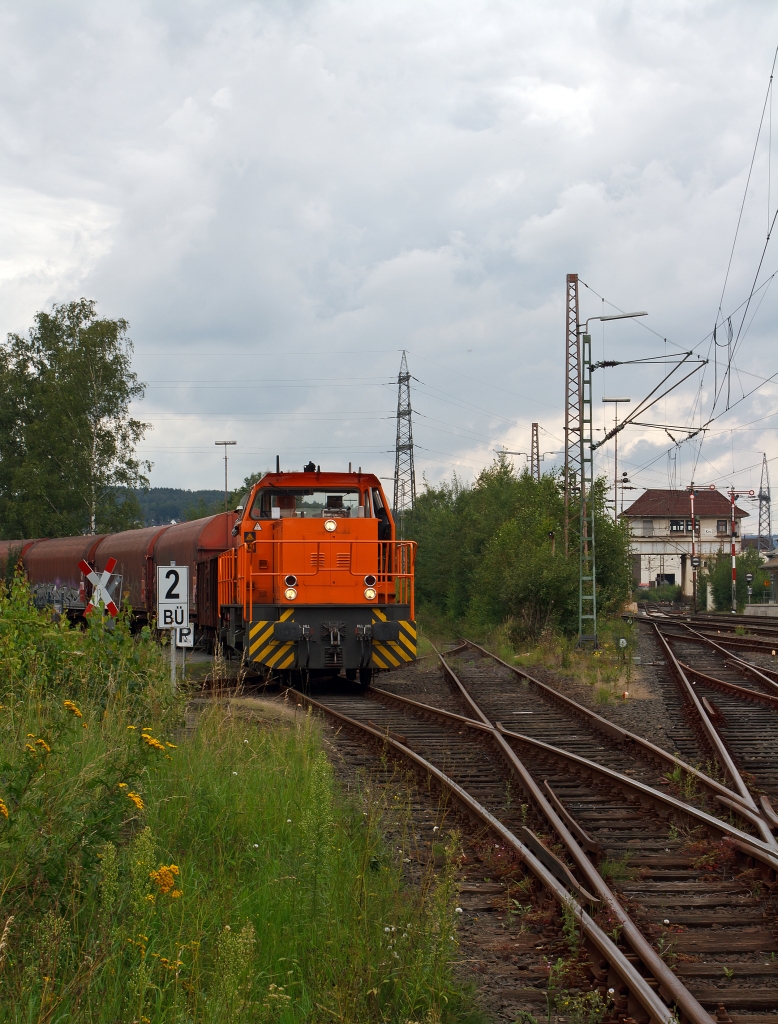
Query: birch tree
[(67, 437)]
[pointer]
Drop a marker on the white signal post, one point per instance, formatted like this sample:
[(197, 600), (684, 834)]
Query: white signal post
[(173, 605), (732, 528), (100, 586), (694, 559)]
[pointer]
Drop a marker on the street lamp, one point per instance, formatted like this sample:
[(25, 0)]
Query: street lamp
[(612, 316), (226, 492), (615, 402)]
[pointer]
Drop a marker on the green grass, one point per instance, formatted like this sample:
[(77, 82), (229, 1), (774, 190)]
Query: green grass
[(218, 875)]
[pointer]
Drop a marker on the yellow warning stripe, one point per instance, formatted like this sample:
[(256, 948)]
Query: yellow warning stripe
[(380, 614), (411, 646), (398, 650), (279, 653), (289, 661), (285, 615), (256, 628), (408, 627), (376, 660), (266, 651), (262, 639), (385, 653)]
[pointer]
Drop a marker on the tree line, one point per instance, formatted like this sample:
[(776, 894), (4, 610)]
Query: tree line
[(494, 551)]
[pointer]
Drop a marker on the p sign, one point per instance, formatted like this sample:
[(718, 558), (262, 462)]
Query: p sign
[(185, 636), (172, 596)]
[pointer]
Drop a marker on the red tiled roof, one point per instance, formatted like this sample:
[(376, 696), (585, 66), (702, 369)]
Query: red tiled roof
[(675, 504)]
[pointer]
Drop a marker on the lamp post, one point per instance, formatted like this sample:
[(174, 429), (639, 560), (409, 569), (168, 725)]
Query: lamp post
[(615, 402), (226, 492)]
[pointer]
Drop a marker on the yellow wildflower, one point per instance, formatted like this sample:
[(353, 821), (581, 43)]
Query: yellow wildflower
[(132, 727), (136, 799), (165, 879), (171, 745), (152, 742), (3, 808), (44, 744), (122, 785), (70, 706), (30, 747)]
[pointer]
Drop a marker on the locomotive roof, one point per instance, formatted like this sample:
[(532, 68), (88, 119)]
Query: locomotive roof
[(320, 481)]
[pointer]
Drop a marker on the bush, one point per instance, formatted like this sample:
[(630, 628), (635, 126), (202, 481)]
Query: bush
[(211, 876), (668, 592), (485, 553), (719, 578)]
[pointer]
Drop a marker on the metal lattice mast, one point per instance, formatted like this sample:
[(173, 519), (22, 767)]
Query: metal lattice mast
[(587, 585), (534, 458), (404, 472), (573, 420), (765, 541)]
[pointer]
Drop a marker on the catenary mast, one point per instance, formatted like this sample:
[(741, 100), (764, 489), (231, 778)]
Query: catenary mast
[(765, 541), (573, 424)]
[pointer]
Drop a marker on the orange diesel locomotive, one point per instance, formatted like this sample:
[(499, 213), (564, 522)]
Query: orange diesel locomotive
[(317, 582)]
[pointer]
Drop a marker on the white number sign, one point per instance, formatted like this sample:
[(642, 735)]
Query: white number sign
[(172, 596)]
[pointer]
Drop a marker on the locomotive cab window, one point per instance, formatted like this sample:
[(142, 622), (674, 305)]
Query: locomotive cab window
[(384, 527), (307, 504)]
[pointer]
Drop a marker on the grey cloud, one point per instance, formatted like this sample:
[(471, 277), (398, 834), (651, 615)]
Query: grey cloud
[(245, 182)]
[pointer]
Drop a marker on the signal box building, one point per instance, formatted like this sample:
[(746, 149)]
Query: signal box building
[(660, 526)]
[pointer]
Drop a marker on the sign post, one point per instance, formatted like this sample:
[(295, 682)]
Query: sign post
[(172, 605), (184, 639), (695, 560)]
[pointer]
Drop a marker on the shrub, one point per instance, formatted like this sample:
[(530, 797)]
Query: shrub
[(215, 876)]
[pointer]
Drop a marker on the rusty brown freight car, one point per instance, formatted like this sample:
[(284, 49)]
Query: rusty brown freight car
[(55, 579)]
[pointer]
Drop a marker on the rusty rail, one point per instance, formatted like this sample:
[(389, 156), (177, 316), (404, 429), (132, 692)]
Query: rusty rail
[(642, 991)]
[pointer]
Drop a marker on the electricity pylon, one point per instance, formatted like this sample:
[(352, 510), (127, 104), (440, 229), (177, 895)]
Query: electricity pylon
[(534, 458), (404, 471)]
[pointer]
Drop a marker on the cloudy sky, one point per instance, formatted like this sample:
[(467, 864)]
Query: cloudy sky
[(282, 196)]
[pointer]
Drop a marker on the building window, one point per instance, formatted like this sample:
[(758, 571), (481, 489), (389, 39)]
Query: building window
[(689, 525), (722, 526), (676, 525), (648, 527)]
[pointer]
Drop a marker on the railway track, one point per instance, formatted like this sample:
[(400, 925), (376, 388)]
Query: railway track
[(738, 701), (674, 901)]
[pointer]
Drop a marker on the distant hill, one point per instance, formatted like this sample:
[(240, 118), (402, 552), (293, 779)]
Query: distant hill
[(162, 504)]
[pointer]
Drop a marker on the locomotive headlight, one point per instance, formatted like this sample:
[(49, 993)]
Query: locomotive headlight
[(290, 581), (290, 593), (370, 594), (330, 525), (370, 581)]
